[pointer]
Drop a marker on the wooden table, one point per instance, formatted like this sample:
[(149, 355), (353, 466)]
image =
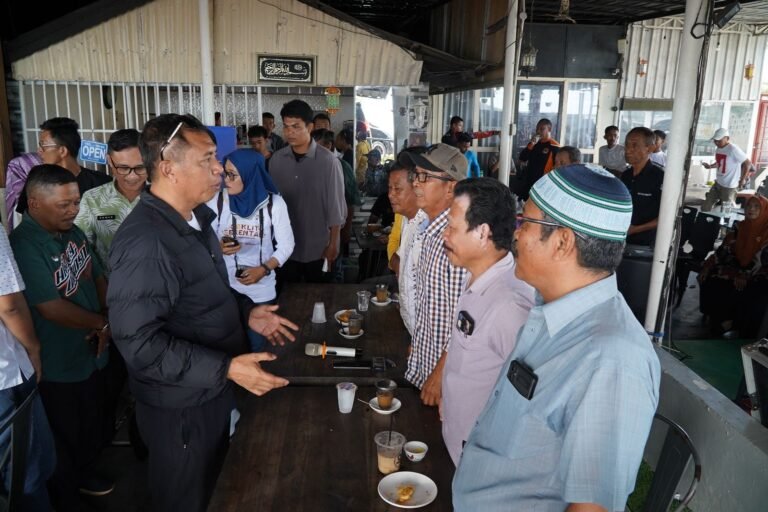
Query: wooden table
[(293, 451), (385, 335)]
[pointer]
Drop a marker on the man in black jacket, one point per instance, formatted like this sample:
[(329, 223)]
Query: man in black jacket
[(176, 321)]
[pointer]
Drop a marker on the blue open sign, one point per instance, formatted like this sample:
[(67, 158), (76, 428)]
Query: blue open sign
[(92, 151)]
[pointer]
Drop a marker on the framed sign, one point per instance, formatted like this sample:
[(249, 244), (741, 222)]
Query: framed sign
[(286, 69)]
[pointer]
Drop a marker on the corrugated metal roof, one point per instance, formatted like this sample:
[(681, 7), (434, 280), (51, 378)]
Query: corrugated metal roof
[(658, 42), (159, 42)]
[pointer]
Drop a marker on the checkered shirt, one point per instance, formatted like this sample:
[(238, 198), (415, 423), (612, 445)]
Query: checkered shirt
[(438, 286)]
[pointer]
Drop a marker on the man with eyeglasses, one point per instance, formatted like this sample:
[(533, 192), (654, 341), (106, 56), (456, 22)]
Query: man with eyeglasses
[(438, 283), (176, 320), (103, 209), (566, 424)]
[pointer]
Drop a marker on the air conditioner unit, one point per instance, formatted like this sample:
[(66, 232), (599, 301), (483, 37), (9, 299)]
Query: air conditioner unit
[(755, 360)]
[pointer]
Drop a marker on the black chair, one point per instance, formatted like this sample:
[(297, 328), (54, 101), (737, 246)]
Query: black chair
[(16, 454), (678, 449), (633, 278), (702, 239), (687, 221)]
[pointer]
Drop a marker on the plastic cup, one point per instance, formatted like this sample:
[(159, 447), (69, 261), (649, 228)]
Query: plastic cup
[(385, 392), (318, 313), (382, 294), (355, 324), (363, 298), (346, 394), (389, 446)]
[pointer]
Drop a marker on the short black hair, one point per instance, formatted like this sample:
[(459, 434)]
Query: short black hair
[(65, 132), (490, 202), (660, 134), (321, 115), (257, 131), (464, 137), (43, 176), (123, 139), (573, 153), (592, 253), (456, 119), (611, 128), (268, 115), (299, 109), (157, 131), (346, 135), (322, 136), (545, 121), (646, 133)]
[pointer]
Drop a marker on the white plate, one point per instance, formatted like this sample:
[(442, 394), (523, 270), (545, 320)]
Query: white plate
[(374, 403), (344, 334), (377, 303), (425, 490), (339, 312)]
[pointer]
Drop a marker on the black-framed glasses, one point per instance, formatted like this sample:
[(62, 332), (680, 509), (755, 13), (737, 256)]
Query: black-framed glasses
[(521, 219), (231, 176), (167, 142), (422, 177), (124, 170)]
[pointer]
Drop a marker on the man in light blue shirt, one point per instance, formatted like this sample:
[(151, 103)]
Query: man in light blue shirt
[(465, 141), (566, 424)]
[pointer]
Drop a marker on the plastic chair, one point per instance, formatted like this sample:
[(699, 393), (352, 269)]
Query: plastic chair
[(16, 454), (705, 230), (678, 449)]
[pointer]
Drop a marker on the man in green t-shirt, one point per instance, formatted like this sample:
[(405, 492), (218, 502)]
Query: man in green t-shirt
[(66, 291)]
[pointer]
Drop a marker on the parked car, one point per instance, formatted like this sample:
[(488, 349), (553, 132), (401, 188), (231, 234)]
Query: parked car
[(381, 140)]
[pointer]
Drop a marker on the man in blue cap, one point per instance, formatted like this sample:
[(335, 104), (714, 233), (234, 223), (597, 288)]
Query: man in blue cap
[(567, 422)]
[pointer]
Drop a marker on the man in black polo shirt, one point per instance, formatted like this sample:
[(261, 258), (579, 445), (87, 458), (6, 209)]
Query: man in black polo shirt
[(644, 180)]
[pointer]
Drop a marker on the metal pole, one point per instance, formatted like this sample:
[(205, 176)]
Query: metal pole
[(206, 63), (510, 78), (696, 12)]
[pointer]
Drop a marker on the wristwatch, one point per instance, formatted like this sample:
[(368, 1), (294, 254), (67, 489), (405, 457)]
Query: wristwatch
[(266, 269)]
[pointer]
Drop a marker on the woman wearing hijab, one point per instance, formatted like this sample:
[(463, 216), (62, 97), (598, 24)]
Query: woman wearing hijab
[(254, 228), (734, 280)]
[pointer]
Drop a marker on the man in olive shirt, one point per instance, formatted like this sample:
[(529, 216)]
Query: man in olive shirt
[(311, 181), (66, 292)]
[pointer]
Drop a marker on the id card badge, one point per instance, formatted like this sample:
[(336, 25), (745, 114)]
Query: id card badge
[(522, 378)]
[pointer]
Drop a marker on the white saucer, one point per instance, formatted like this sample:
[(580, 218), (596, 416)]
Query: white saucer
[(374, 403), (339, 312), (425, 489), (350, 336), (377, 303)]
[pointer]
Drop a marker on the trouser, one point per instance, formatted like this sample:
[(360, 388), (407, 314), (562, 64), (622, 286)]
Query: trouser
[(75, 411), (257, 341), (718, 192), (186, 452), (297, 272), (41, 457), (114, 375)]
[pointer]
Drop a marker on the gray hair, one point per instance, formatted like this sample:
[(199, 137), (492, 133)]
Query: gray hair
[(592, 253)]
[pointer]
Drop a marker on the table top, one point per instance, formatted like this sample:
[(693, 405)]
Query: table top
[(294, 451), (367, 241), (385, 335)]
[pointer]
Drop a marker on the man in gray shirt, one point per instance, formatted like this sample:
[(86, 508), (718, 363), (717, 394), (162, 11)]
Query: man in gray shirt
[(311, 181)]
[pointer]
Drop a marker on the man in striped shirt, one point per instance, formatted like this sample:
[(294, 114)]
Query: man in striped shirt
[(438, 283)]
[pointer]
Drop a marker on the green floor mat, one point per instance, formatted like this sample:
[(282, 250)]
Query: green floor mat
[(716, 361)]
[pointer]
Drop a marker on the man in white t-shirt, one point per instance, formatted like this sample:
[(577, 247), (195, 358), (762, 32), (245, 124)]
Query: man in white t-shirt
[(732, 170)]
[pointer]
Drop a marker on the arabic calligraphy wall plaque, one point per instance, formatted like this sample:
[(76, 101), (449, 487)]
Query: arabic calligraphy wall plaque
[(282, 69)]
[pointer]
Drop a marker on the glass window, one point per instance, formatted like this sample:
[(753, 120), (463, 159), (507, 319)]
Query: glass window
[(491, 109), (739, 121), (534, 102), (581, 129), (710, 119), (653, 119), (458, 104)]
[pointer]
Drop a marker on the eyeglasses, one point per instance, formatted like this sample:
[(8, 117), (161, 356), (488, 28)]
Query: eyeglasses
[(165, 144), (124, 170), (231, 176), (422, 177), (521, 219), (49, 145)]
